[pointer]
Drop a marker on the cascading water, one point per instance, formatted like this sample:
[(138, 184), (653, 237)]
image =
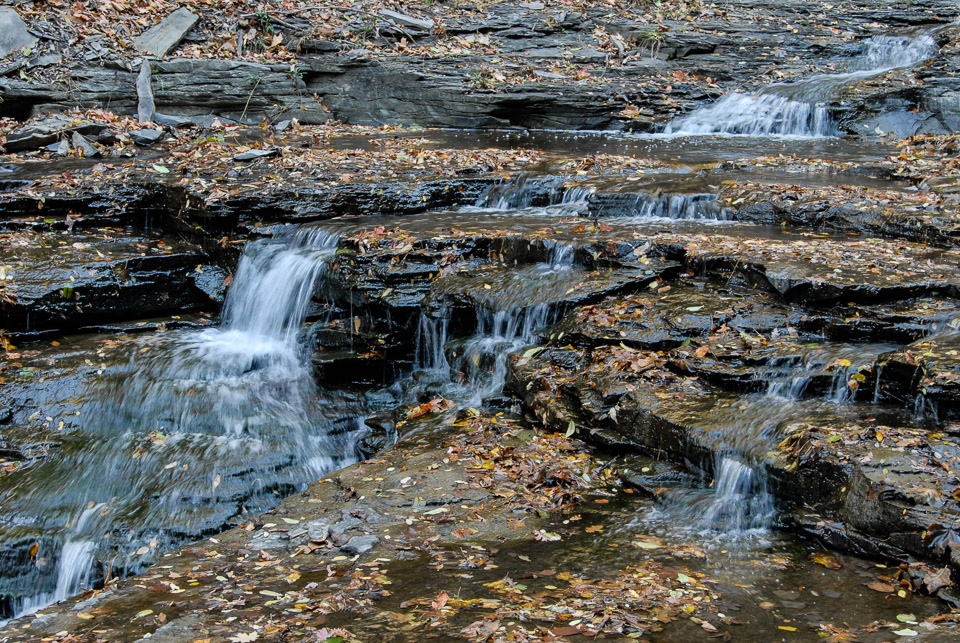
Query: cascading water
[(797, 108), (507, 318), (198, 428), (817, 384)]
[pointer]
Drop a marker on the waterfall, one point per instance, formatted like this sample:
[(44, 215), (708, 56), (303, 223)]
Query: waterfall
[(798, 108), (431, 341), (741, 501), (523, 193), (198, 426), (671, 207)]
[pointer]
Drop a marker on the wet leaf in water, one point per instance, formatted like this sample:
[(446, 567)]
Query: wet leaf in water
[(885, 588), (825, 560)]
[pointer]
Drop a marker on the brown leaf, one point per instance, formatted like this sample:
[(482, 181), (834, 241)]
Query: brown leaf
[(440, 601), (885, 588), (567, 630), (481, 629), (932, 581)]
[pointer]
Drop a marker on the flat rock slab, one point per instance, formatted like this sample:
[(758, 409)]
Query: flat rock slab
[(46, 132), (161, 39), (63, 281), (253, 155), (407, 21), (13, 32), (823, 271)]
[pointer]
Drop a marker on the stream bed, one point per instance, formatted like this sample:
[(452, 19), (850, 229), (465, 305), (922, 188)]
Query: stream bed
[(748, 376)]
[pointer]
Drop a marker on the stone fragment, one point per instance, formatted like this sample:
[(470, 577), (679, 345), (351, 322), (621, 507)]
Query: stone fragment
[(360, 544), (169, 120), (408, 21), (86, 147), (162, 38), (107, 136), (63, 148), (13, 33), (146, 107), (252, 155), (146, 136), (46, 132)]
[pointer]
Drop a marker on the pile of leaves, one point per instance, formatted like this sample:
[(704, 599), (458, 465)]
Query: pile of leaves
[(544, 473)]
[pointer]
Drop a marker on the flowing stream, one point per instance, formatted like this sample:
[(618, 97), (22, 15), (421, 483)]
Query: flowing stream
[(798, 108), (200, 429), (738, 502), (197, 430)]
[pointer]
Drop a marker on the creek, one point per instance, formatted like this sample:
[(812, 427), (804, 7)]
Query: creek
[(180, 433)]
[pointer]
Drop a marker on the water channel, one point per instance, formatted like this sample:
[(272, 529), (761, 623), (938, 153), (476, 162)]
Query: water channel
[(188, 431)]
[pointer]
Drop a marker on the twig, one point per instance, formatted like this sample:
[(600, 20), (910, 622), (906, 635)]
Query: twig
[(250, 97)]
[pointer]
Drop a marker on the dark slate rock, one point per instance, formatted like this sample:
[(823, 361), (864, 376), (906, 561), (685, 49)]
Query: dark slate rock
[(253, 155), (146, 136), (13, 33), (86, 147), (161, 39), (146, 106)]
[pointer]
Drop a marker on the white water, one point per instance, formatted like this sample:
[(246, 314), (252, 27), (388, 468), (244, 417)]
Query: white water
[(478, 366), (798, 108), (217, 405), (74, 565), (740, 503)]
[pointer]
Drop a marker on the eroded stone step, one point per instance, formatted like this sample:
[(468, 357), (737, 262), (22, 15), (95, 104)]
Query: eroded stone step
[(67, 281)]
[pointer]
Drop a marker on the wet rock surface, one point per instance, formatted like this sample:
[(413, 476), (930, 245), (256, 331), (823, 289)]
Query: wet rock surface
[(516, 66), (68, 281)]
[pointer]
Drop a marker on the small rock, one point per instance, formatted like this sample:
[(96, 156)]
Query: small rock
[(146, 136), (161, 39), (63, 148), (548, 74), (317, 530), (360, 544), (409, 21), (171, 121), (346, 524), (282, 126), (45, 61), (252, 155), (13, 33), (107, 137), (87, 150)]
